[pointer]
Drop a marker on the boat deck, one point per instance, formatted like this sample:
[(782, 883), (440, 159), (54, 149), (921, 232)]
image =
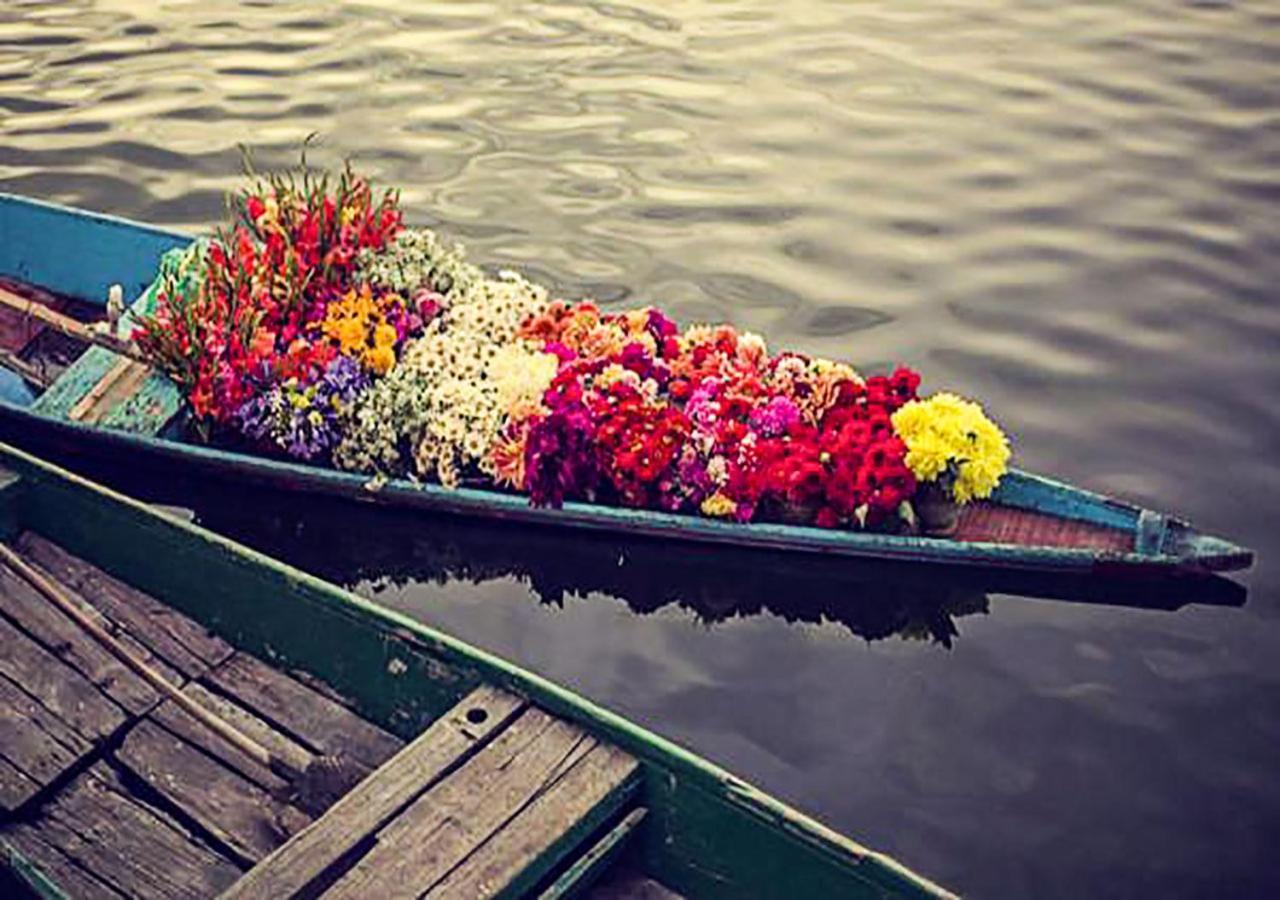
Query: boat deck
[(108, 790)]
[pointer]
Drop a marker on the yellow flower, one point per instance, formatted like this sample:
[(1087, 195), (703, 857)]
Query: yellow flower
[(384, 336), (380, 359), (948, 432), (718, 506)]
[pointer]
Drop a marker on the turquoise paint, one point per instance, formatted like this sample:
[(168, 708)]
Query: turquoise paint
[(135, 254), (79, 253), (513, 507)]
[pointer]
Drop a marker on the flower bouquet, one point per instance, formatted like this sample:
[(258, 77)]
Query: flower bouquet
[(956, 453), (318, 327)]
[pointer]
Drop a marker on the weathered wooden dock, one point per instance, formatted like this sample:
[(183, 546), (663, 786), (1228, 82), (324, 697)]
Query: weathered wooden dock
[(109, 790)]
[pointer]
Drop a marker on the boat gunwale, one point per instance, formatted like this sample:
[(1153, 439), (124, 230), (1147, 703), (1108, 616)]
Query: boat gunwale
[(765, 535), (1210, 555)]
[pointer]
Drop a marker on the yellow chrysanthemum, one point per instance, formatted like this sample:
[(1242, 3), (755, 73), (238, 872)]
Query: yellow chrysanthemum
[(949, 432)]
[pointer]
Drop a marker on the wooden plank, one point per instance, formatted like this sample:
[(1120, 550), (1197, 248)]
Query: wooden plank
[(548, 829), (118, 385), (57, 686), (17, 327), (34, 740), (449, 741), (994, 523), (16, 786), (435, 835), (55, 866), (21, 604), (586, 869), (150, 408), (137, 848), (182, 724), (182, 642), (315, 720), (236, 811)]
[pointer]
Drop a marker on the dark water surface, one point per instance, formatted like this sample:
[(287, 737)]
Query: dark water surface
[(1071, 211)]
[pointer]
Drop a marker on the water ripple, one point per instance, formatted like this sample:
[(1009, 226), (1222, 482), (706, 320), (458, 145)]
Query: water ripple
[(1071, 210)]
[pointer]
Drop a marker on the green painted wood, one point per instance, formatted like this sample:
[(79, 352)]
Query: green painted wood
[(11, 493), (1151, 532), (33, 877), (149, 410), (708, 833), (588, 868)]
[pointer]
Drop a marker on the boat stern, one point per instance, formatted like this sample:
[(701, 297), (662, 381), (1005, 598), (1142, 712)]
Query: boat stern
[(1200, 552)]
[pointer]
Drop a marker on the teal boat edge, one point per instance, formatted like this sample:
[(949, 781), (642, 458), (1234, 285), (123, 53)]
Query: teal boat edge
[(130, 252), (708, 832)]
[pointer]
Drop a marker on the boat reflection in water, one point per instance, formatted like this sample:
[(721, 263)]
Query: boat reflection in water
[(374, 548)]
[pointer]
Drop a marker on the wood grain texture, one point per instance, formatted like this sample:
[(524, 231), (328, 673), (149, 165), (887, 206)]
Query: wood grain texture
[(998, 524), (238, 812), (133, 846), (312, 718), (58, 687), (56, 866), (16, 786), (553, 826), (180, 641), (35, 741), (17, 328), (23, 606), (446, 828), (96, 401), (447, 743), (708, 834), (591, 865), (181, 723)]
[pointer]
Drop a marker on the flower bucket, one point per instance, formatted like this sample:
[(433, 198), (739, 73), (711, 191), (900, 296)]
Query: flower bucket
[(936, 510)]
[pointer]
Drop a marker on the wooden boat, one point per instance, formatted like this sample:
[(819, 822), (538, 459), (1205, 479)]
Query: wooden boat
[(92, 411), (675, 819)]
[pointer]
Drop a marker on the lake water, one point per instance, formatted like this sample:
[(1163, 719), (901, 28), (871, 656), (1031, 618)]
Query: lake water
[(1071, 211)]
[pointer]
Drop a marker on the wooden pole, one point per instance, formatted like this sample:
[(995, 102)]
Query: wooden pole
[(228, 732), (69, 326)]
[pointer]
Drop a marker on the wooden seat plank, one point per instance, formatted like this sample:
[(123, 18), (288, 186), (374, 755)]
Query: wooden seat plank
[(448, 742), (57, 686), (436, 836), (135, 847), (22, 605), (314, 719), (236, 811), (590, 866), (182, 724), (150, 408), (561, 817), (182, 642), (34, 740)]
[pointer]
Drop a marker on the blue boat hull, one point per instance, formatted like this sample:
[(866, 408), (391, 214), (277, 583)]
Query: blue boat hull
[(79, 254)]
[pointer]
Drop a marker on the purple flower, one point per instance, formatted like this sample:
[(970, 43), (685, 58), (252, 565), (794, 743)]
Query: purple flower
[(304, 420)]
